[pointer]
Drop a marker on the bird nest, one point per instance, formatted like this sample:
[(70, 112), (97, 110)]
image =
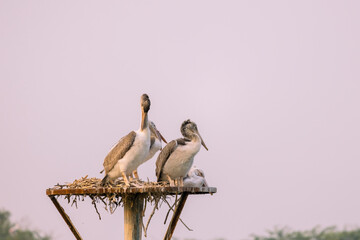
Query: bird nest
[(85, 183), (112, 201)]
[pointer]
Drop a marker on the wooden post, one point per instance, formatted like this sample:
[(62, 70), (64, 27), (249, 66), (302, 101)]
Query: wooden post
[(65, 217), (176, 216), (133, 208)]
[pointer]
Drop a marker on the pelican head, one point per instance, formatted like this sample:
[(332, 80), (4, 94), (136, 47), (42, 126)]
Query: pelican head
[(145, 107), (189, 130), (154, 131), (145, 102), (194, 171), (199, 173)]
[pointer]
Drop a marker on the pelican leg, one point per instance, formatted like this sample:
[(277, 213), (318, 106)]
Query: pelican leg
[(172, 182), (131, 176), (181, 180), (126, 180), (136, 174)]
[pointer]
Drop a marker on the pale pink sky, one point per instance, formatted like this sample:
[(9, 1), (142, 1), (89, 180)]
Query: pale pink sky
[(274, 87)]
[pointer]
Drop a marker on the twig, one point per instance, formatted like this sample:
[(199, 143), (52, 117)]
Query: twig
[(179, 217), (151, 215), (176, 201), (94, 203)]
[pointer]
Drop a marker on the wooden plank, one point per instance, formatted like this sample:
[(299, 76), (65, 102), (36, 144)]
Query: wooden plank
[(176, 216), (66, 218), (130, 190), (133, 208)]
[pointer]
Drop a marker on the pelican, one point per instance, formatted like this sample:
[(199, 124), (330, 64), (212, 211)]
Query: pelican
[(131, 150), (175, 160), (195, 178), (155, 144)]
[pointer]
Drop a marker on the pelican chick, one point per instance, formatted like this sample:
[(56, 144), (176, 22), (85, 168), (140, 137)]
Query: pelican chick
[(195, 178), (177, 157), (130, 151)]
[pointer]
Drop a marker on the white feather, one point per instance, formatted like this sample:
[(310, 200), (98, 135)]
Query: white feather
[(181, 160), (154, 148), (134, 157), (195, 178)]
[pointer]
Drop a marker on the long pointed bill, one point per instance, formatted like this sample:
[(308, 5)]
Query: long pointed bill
[(202, 142), (162, 137), (144, 120), (158, 135)]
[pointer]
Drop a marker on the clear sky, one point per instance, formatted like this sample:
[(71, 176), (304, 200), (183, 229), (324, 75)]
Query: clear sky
[(274, 87)]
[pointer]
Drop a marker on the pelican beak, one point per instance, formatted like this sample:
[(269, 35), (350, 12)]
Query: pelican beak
[(202, 142), (161, 136), (156, 132)]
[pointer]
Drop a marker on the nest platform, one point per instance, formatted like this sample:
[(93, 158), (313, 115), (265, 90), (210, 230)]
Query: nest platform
[(131, 198)]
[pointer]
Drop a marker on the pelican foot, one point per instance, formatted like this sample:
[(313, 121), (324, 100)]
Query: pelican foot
[(126, 180)]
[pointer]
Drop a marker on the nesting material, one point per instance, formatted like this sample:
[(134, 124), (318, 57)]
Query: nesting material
[(85, 183), (112, 201)]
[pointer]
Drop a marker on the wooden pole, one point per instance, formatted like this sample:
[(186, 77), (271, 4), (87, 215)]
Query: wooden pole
[(66, 218), (133, 208), (176, 216)]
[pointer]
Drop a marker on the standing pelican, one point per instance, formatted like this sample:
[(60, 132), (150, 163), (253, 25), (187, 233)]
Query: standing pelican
[(155, 144), (130, 151), (175, 160)]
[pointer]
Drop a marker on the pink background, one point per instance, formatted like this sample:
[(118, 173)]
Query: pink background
[(274, 87)]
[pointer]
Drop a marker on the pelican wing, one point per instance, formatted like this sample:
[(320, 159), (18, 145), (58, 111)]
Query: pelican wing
[(118, 151), (163, 157), (165, 154)]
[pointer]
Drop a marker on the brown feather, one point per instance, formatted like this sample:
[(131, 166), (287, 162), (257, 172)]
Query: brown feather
[(163, 157), (165, 154), (182, 141), (118, 151)]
